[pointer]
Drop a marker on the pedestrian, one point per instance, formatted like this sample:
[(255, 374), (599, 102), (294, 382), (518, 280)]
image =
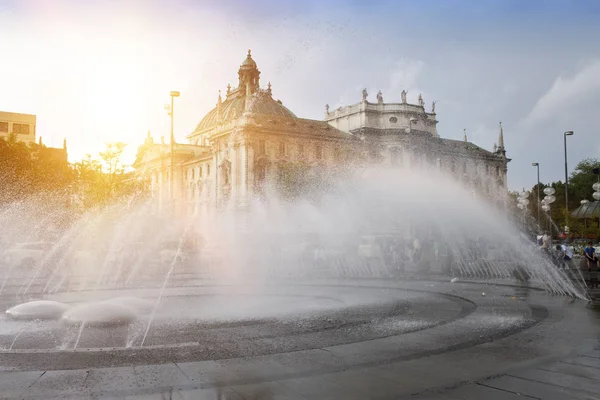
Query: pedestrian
[(565, 253), (590, 256)]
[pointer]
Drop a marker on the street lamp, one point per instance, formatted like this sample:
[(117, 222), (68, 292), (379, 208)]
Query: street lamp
[(523, 202), (546, 201), (537, 165), (171, 110), (596, 194), (567, 133)]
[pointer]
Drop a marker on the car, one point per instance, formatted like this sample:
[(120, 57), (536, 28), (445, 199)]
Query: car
[(26, 254)]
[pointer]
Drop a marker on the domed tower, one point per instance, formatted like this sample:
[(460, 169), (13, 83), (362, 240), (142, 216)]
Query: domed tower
[(249, 76)]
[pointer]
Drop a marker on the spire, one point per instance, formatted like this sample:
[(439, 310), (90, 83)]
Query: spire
[(248, 75), (149, 139), (269, 92), (500, 150), (40, 141), (228, 89), (465, 134), (219, 102), (65, 144)]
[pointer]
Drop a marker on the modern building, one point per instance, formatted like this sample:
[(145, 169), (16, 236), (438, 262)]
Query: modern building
[(245, 143), (21, 125)]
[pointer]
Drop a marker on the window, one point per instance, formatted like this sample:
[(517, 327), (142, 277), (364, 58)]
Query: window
[(497, 170), (22, 129), (300, 150), (393, 120), (208, 170), (3, 126), (262, 147), (199, 172), (193, 171), (282, 149), (337, 154), (319, 152)]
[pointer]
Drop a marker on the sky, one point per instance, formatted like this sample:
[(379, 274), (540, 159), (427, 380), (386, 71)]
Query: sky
[(101, 71)]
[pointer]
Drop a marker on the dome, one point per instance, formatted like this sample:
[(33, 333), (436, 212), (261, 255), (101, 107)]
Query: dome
[(231, 109), (248, 62)]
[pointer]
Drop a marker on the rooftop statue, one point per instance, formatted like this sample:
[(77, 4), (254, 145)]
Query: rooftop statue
[(403, 94), (433, 107), (421, 102), (364, 94), (379, 97)]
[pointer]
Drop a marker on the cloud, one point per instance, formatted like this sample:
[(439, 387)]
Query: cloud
[(567, 94)]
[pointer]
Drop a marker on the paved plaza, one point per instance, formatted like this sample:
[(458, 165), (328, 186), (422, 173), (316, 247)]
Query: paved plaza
[(443, 341)]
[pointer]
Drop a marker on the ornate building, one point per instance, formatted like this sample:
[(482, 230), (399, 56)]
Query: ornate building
[(405, 135), (242, 145)]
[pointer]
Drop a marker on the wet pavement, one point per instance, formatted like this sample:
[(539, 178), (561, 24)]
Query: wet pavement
[(489, 342)]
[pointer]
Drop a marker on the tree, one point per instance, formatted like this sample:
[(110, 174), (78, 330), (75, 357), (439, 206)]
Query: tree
[(581, 181), (113, 168), (32, 170), (580, 188), (104, 181)]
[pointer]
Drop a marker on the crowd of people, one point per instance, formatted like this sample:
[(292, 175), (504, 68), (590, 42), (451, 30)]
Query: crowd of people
[(564, 253)]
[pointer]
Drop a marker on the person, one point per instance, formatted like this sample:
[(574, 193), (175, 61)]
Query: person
[(590, 256), (546, 241), (566, 254)]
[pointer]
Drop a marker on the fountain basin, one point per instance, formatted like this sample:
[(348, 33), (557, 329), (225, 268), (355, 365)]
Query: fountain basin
[(40, 309), (102, 314)]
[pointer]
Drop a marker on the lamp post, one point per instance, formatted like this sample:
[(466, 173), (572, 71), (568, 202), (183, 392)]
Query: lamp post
[(567, 133), (171, 109), (546, 201), (537, 165), (596, 194), (523, 202)]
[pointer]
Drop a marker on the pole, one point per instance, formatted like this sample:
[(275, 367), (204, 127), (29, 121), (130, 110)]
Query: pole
[(538, 193), (172, 150), (566, 183)]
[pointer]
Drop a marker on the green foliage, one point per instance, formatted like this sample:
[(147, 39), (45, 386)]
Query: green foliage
[(580, 188), (28, 170), (104, 181)]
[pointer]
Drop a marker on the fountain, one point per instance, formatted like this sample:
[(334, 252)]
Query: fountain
[(382, 254)]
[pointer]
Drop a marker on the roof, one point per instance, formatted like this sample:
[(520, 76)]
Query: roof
[(233, 108), (587, 210), (422, 138), (300, 126), (467, 148)]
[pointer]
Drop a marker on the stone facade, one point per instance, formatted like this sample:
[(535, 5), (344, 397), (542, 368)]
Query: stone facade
[(241, 146), (405, 135)]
